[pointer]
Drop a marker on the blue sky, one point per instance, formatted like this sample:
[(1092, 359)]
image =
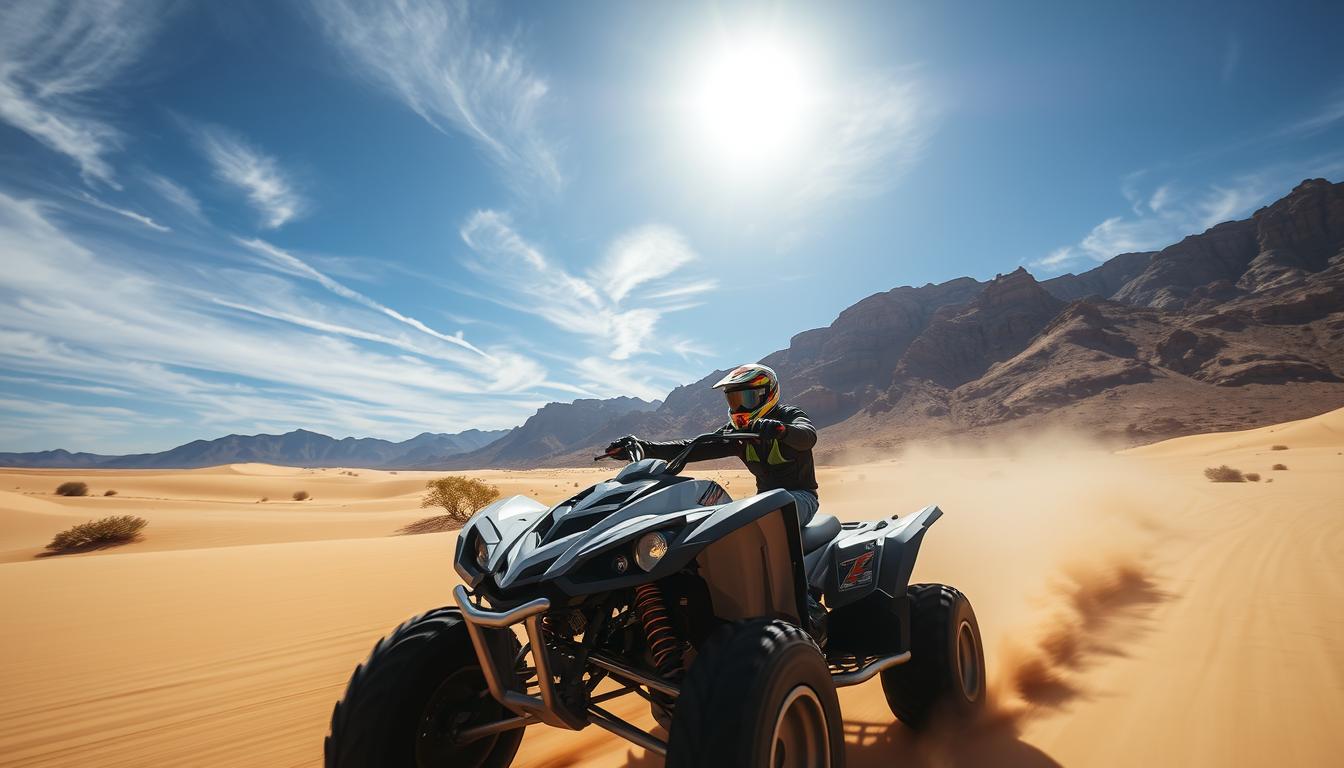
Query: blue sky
[(379, 218)]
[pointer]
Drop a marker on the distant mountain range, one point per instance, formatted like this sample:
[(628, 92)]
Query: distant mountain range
[(1237, 327), (298, 448)]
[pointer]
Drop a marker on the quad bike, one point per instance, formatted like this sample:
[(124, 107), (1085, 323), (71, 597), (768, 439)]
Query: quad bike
[(661, 586)]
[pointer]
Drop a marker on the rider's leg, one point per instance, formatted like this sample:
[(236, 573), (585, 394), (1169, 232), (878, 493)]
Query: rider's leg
[(807, 504)]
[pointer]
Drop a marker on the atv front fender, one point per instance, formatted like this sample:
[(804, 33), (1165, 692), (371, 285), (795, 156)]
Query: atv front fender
[(764, 546)]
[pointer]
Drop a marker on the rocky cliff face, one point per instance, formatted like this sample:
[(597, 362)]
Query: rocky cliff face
[(961, 342)]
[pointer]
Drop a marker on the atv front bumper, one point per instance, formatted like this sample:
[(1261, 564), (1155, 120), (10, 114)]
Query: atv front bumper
[(498, 663)]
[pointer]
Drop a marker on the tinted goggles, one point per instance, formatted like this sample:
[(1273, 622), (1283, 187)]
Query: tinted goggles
[(746, 400)]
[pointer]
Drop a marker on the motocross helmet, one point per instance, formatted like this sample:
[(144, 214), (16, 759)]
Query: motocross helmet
[(751, 390)]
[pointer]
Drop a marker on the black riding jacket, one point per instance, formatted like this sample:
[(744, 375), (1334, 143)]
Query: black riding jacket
[(777, 463)]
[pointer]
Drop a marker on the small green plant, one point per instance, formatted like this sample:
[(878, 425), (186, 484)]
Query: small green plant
[(1280, 467), (109, 492), (1224, 474), (1278, 447), (72, 488), (1254, 477), (109, 531), (300, 495)]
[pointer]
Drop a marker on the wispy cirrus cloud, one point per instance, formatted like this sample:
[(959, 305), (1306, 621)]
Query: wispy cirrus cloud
[(175, 193), (255, 173), (873, 130), (437, 58), (1328, 115), (223, 344), (296, 266), (56, 59), (129, 214), (1172, 210), (604, 305)]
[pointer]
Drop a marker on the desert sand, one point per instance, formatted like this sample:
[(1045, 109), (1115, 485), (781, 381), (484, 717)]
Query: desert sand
[(1133, 612)]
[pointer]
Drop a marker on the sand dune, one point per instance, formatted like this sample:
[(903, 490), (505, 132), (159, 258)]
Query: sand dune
[(1133, 612)]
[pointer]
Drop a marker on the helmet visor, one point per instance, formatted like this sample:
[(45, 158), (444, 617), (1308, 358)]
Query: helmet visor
[(746, 400)]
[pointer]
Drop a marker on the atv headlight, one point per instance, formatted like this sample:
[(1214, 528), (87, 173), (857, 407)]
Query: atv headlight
[(482, 553), (650, 549)]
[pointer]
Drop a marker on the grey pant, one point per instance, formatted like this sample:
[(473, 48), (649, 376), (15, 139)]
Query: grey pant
[(807, 504)]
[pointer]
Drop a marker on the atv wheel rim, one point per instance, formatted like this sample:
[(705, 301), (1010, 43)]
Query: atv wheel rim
[(968, 661), (461, 701), (801, 738)]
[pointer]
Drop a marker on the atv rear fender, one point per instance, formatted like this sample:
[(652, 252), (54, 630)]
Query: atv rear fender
[(870, 556)]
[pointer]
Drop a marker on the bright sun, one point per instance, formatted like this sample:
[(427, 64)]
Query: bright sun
[(750, 104)]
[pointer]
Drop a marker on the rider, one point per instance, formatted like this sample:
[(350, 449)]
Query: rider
[(780, 458)]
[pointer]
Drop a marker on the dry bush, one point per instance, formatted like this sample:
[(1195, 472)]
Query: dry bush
[(1254, 477), (1280, 467), (1278, 447), (263, 499), (109, 492), (1224, 474), (72, 488), (118, 529), (459, 497), (300, 495)]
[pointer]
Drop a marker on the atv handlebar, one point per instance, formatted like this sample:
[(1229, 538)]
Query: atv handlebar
[(633, 449), (679, 462), (636, 452)]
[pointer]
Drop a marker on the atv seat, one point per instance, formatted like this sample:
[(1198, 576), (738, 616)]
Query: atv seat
[(819, 532)]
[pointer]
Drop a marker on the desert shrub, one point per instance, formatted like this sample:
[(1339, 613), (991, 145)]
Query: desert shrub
[(263, 499), (72, 488), (1278, 447), (109, 492), (459, 497), (1280, 467), (300, 495), (1254, 477), (1224, 474), (118, 529)]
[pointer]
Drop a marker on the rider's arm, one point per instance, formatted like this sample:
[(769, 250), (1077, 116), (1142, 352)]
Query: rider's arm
[(668, 450), (799, 434), (665, 450)]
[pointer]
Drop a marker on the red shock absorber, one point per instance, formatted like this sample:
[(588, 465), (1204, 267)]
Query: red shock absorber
[(658, 634)]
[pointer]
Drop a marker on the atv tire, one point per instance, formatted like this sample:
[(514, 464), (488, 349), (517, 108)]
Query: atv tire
[(946, 671), (420, 684), (758, 694)]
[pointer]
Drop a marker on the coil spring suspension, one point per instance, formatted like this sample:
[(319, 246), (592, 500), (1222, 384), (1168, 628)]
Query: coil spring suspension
[(658, 634)]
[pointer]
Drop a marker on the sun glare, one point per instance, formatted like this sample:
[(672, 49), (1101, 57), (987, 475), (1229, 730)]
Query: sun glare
[(749, 104)]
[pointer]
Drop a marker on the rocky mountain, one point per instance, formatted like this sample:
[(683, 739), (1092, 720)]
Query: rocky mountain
[(56, 458), (297, 448), (1237, 327), (553, 429)]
